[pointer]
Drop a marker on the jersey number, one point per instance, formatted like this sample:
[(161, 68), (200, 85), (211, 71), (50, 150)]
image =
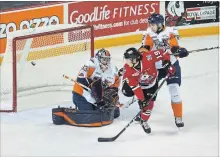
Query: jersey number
[(157, 54)]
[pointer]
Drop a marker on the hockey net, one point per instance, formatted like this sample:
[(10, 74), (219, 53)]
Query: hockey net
[(35, 61)]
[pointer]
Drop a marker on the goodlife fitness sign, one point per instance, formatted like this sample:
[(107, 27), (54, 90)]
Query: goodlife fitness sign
[(109, 18), (201, 13)]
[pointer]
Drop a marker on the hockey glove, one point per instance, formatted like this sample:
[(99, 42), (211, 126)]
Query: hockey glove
[(142, 104), (169, 67), (111, 96), (96, 90), (180, 52), (120, 72)]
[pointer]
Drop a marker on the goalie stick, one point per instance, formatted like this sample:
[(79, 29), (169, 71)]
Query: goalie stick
[(68, 78), (111, 139)]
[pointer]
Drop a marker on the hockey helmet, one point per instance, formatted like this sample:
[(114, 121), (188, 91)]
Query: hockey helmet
[(156, 22), (103, 56), (132, 54), (156, 19)]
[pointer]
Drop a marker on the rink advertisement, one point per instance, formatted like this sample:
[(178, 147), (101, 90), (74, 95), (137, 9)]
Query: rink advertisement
[(110, 18), (22, 19), (181, 13)]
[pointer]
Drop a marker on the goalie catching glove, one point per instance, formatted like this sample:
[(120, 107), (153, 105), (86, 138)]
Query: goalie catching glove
[(111, 97)]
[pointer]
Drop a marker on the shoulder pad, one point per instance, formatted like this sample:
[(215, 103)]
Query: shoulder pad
[(147, 31), (172, 30), (91, 62)]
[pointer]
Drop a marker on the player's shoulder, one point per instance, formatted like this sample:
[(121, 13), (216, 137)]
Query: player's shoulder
[(148, 32), (126, 66), (93, 62), (114, 69), (171, 30), (147, 56), (127, 70)]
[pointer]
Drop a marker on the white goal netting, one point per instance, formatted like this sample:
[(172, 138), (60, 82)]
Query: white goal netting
[(43, 55)]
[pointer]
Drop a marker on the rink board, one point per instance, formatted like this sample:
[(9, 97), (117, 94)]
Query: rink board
[(132, 39)]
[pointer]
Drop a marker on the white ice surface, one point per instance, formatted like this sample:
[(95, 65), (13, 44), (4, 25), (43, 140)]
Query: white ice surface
[(31, 132)]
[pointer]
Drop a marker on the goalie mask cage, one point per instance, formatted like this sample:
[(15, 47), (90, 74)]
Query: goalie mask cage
[(35, 61)]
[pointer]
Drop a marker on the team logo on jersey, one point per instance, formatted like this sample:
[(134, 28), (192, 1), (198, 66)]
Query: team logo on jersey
[(149, 57)]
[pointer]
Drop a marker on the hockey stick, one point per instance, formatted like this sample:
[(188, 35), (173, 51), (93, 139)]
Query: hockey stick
[(130, 103), (68, 78), (198, 50), (111, 139)]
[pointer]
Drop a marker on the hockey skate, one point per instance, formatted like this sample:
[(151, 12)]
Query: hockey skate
[(146, 127), (179, 123)]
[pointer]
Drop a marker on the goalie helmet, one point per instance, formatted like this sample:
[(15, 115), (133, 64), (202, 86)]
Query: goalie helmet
[(103, 56)]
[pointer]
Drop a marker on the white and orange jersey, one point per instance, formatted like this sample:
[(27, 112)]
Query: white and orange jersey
[(167, 38), (91, 72)]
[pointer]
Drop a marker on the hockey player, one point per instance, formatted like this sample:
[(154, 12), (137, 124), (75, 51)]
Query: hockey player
[(140, 78), (94, 81), (95, 95), (158, 36)]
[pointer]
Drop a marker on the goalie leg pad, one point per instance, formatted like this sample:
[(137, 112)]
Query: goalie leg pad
[(117, 112), (57, 120), (84, 118)]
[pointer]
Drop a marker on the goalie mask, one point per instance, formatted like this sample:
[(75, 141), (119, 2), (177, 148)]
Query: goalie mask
[(103, 57)]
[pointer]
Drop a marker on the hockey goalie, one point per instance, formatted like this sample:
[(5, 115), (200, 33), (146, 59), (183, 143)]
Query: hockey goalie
[(95, 95)]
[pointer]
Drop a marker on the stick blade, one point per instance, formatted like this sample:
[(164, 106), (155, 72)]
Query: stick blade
[(103, 139)]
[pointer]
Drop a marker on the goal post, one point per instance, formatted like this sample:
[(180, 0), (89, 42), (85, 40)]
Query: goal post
[(35, 61)]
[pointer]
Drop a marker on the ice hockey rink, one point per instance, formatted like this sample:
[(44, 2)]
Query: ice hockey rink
[(30, 132)]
